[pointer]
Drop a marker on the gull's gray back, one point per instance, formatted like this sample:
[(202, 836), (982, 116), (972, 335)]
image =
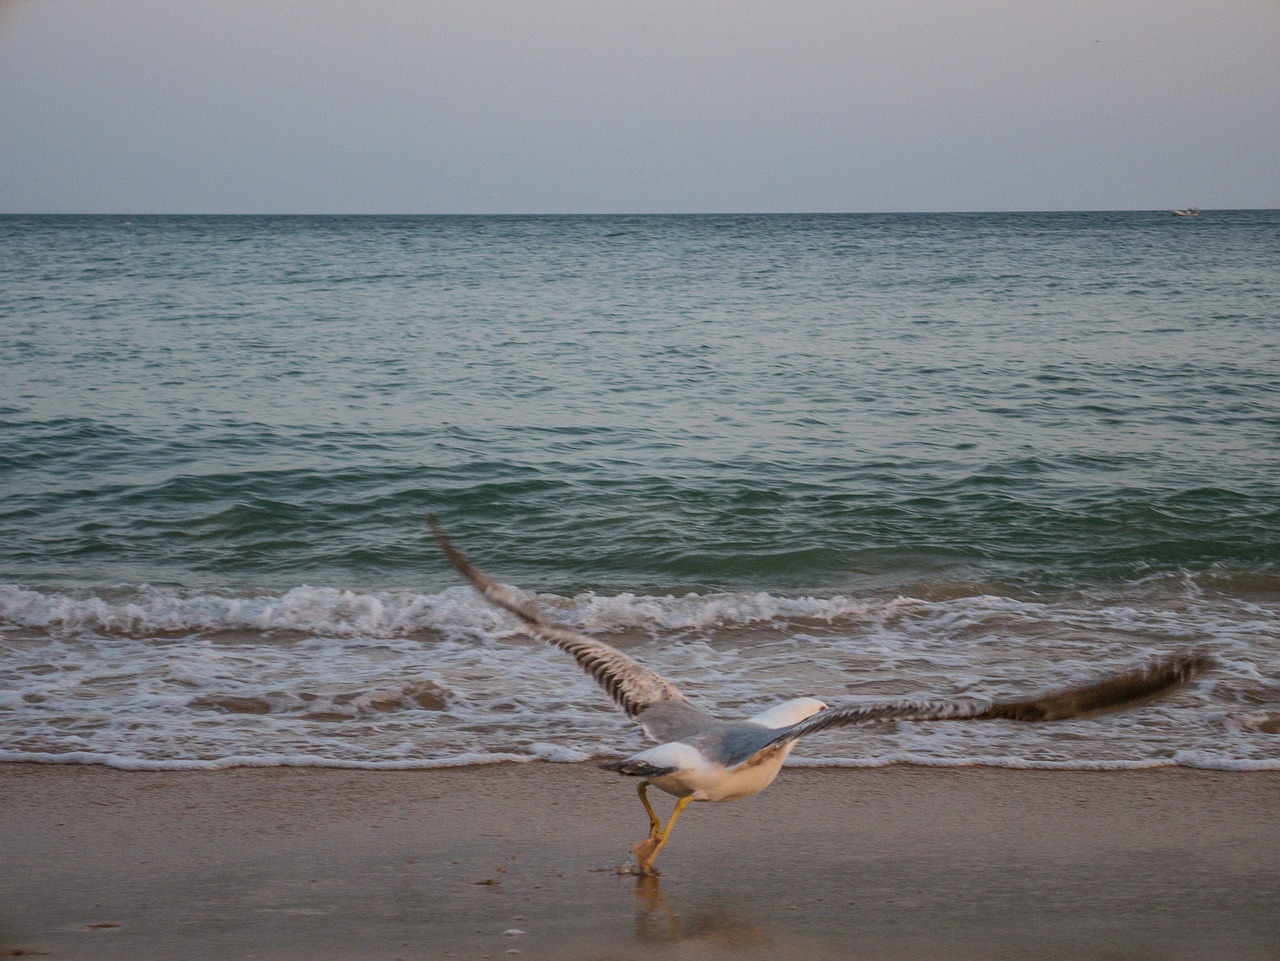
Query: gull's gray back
[(731, 742), (674, 720)]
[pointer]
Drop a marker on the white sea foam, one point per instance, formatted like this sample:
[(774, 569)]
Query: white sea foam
[(344, 613), (155, 679)]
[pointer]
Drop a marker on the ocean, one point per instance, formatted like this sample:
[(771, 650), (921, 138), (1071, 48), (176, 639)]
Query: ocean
[(850, 456)]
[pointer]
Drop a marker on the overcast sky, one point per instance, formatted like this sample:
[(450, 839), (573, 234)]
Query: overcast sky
[(493, 106)]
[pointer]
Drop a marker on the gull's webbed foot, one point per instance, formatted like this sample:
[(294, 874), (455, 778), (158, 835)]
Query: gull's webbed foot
[(646, 851)]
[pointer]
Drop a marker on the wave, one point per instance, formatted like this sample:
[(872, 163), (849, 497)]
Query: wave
[(144, 677), (140, 611)]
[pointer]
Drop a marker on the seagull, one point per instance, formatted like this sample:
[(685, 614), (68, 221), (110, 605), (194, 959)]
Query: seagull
[(700, 757)]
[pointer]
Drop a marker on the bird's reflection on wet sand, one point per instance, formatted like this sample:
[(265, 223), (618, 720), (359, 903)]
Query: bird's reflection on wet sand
[(659, 921)]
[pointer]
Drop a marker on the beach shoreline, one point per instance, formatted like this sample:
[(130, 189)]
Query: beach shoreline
[(522, 859)]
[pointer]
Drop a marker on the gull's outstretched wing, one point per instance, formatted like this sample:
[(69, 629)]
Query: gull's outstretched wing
[(645, 695), (1100, 697)]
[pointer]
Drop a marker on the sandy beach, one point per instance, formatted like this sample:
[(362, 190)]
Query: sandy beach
[(520, 860)]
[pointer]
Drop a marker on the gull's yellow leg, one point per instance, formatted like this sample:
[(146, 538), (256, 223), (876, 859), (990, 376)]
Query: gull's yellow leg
[(647, 850), (654, 823), (642, 848), (683, 803)]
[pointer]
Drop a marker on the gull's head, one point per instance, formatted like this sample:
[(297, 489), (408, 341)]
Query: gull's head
[(790, 712)]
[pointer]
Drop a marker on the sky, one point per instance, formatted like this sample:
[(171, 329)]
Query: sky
[(648, 106)]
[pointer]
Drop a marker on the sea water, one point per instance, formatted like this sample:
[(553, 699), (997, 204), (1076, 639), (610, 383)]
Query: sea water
[(850, 456)]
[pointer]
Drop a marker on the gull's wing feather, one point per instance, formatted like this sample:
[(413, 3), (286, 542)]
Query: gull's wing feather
[(1111, 694), (645, 695)]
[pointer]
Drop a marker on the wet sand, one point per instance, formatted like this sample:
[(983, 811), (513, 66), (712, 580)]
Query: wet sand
[(890, 863)]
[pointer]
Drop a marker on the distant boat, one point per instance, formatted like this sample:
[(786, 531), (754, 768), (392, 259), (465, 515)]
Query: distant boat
[(1187, 212)]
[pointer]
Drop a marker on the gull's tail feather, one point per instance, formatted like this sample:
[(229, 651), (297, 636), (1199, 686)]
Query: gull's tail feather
[(635, 768), (1111, 694), (632, 686)]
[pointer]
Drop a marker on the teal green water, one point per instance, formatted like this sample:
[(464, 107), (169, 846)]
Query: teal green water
[(652, 403), (890, 454)]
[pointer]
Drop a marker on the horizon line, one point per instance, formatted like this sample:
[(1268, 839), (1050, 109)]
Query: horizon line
[(625, 213)]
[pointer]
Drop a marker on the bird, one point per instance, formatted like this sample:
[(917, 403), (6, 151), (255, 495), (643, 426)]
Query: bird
[(700, 757)]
